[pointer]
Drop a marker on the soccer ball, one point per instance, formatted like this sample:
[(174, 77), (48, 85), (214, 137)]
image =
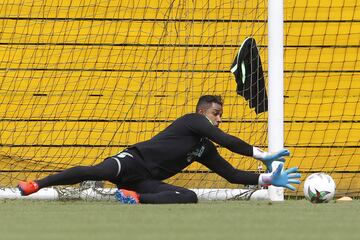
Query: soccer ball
[(319, 188)]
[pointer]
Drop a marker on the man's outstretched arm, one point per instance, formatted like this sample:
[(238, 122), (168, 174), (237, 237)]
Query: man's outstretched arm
[(278, 178), (202, 126)]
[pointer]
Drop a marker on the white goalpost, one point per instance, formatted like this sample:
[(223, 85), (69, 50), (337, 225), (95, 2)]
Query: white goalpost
[(276, 85)]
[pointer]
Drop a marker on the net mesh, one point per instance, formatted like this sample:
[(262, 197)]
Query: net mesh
[(322, 93), (82, 80)]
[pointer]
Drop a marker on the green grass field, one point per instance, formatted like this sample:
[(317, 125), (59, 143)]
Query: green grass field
[(293, 219)]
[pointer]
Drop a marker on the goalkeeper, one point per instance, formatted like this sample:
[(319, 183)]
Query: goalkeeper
[(139, 171)]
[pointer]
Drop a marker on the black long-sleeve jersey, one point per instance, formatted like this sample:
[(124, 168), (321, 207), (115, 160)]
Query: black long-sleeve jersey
[(189, 138)]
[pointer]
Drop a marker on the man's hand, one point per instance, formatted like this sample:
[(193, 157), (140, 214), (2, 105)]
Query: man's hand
[(268, 158), (281, 178)]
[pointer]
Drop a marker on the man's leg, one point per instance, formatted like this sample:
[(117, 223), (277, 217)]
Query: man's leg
[(109, 170), (157, 192)]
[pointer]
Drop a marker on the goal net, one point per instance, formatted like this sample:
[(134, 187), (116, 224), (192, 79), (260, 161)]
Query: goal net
[(322, 90), (83, 80)]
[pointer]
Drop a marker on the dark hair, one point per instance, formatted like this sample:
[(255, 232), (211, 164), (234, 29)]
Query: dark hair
[(206, 101)]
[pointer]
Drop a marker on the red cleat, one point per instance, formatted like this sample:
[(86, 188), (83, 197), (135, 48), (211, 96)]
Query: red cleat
[(27, 188), (127, 196)]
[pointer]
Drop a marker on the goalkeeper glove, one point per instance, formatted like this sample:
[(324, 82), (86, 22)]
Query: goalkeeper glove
[(268, 158), (281, 178)]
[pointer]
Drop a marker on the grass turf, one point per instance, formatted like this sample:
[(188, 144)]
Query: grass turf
[(291, 220)]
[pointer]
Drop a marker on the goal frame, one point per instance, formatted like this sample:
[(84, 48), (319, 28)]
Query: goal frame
[(275, 130)]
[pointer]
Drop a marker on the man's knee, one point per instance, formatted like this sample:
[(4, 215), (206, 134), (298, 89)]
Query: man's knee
[(190, 196)]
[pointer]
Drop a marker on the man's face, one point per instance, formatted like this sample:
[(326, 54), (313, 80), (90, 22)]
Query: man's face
[(213, 113)]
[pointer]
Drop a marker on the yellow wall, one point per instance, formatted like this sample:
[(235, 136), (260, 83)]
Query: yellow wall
[(81, 80)]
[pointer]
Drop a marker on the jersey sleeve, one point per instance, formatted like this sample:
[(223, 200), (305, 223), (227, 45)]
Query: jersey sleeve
[(202, 126), (212, 160)]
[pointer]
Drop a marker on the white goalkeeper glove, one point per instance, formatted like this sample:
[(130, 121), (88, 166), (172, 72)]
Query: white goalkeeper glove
[(281, 178), (268, 158)]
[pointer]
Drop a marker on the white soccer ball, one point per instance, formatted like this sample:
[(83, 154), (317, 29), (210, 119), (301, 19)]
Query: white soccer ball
[(319, 188)]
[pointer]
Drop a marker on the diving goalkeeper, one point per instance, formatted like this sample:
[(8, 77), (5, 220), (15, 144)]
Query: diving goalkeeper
[(139, 170)]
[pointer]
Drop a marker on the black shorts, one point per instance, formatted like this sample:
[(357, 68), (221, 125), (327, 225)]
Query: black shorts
[(131, 168), (135, 176)]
